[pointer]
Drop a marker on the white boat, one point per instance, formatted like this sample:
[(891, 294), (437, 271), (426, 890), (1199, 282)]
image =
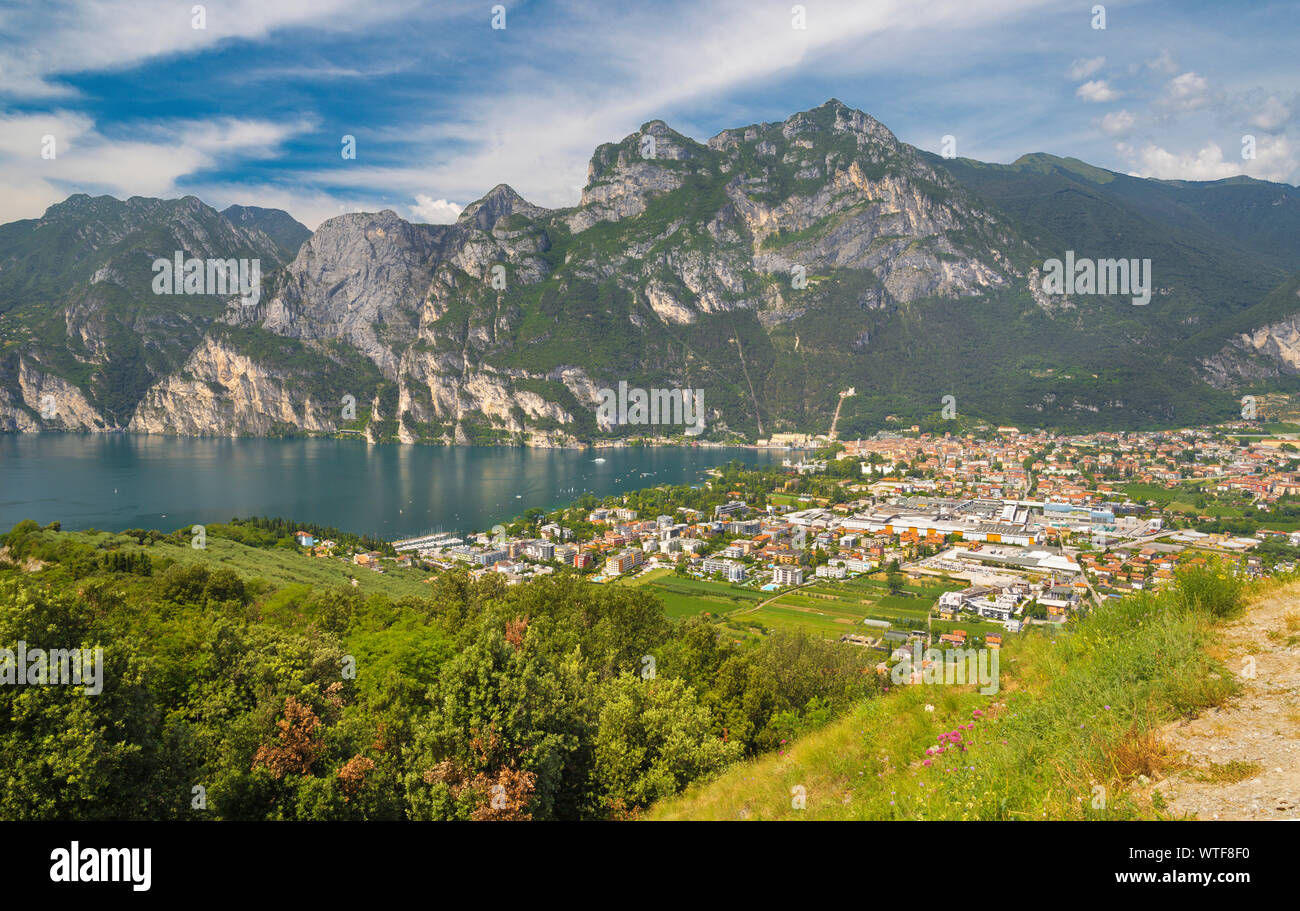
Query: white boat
[(598, 461)]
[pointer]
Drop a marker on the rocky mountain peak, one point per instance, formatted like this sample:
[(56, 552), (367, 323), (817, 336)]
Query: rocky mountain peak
[(656, 141), (499, 202), (822, 122), (622, 175)]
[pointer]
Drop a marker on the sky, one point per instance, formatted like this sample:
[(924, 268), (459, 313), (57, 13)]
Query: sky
[(249, 101)]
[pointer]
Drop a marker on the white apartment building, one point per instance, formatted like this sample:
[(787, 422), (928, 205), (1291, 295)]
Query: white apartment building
[(788, 575)]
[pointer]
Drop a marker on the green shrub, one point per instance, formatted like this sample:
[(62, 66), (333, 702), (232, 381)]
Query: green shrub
[(1215, 589)]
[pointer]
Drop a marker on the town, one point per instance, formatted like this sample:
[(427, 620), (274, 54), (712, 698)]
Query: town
[(907, 536)]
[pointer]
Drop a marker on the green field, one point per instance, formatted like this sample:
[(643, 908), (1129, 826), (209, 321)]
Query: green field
[(832, 608), (636, 580), (779, 615), (686, 597), (785, 499), (823, 607)]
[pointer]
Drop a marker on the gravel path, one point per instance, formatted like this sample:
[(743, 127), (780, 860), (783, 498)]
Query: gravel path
[(1244, 758)]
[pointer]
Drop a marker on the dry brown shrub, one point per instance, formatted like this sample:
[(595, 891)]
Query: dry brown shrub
[(353, 775), (298, 744)]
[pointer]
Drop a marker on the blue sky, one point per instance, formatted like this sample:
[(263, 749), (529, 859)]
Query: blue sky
[(252, 108)]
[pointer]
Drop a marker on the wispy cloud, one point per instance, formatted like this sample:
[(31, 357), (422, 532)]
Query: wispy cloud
[(45, 157), (1117, 123), (443, 107), (57, 38), (1082, 69)]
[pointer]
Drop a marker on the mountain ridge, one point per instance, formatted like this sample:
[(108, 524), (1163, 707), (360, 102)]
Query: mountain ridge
[(772, 266)]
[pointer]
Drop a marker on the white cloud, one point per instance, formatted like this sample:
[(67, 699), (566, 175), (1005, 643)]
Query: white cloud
[(1205, 164), (87, 161), (1097, 90), (1083, 68), (434, 211), (1186, 92), (539, 136), (1275, 160), (1117, 123)]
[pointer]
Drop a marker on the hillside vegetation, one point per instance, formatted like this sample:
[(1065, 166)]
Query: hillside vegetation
[(243, 680), (1071, 734)]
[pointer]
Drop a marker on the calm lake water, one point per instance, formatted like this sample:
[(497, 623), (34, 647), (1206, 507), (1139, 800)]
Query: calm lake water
[(118, 481)]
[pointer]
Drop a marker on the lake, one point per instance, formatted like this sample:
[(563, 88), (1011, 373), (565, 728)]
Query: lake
[(118, 481)]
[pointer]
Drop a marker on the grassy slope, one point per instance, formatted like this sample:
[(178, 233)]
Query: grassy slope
[(279, 566), (1073, 714)]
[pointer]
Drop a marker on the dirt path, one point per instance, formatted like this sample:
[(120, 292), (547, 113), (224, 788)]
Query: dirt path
[(835, 420), (1244, 758), (750, 610)]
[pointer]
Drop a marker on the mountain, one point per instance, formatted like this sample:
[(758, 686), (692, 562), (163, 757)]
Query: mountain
[(771, 267), (1228, 250), (287, 233), (79, 322)]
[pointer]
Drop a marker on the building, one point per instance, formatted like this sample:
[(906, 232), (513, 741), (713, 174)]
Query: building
[(781, 554), (858, 639), (950, 602), (919, 526), (540, 550), (831, 571), (478, 557), (623, 562), (730, 569), (733, 508), (305, 539), (789, 440), (1001, 608), (787, 575)]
